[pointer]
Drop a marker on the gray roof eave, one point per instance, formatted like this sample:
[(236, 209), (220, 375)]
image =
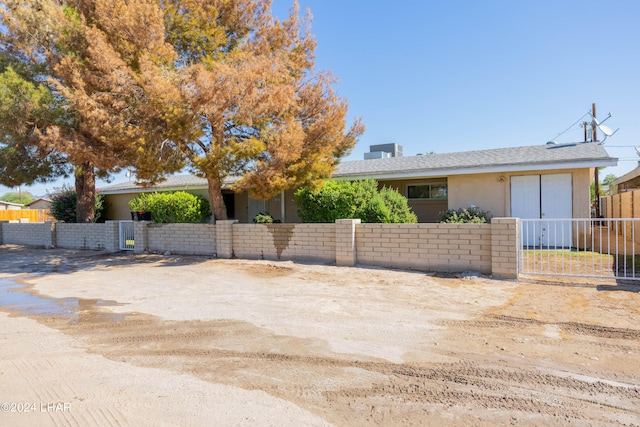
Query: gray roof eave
[(440, 172), (152, 189)]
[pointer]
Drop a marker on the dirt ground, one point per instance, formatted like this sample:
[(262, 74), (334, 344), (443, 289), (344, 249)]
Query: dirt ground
[(96, 339)]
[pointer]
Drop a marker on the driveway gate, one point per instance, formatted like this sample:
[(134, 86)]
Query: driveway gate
[(581, 247), (126, 235)]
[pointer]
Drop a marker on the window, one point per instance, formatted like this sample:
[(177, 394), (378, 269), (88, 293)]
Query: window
[(436, 190)]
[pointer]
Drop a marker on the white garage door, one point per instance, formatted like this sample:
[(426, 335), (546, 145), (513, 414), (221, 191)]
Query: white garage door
[(547, 197)]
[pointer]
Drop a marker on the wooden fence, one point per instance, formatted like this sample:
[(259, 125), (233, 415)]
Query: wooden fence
[(621, 205), (30, 215)]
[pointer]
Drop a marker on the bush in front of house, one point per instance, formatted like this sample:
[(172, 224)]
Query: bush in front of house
[(174, 207), (63, 205), (473, 215), (353, 199), (263, 218)]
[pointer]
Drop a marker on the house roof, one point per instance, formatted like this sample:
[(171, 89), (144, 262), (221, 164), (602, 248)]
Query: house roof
[(10, 204), (171, 183), (537, 157), (513, 159), (629, 180), (41, 199)]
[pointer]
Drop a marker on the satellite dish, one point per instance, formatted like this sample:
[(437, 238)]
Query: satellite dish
[(606, 130)]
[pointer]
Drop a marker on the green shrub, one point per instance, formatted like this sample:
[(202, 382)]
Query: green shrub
[(471, 215), (140, 203), (399, 210), (175, 207), (63, 205), (263, 218), (353, 199)]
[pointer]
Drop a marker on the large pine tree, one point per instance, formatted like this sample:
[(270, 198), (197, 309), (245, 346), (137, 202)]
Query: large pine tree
[(217, 85)]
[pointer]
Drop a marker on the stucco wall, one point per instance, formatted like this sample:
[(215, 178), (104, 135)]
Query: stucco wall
[(489, 192), (492, 192)]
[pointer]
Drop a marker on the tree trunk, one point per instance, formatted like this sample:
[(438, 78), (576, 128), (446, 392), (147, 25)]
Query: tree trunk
[(218, 207), (85, 192)]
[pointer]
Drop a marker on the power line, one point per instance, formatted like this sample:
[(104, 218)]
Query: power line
[(570, 127)]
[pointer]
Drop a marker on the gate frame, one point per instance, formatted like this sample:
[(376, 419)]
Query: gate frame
[(126, 233), (601, 238)]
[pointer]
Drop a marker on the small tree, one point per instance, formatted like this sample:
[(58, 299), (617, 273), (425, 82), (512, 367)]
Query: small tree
[(353, 199), (63, 205), (22, 197)]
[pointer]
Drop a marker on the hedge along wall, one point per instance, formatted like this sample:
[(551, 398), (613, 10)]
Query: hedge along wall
[(436, 247), (285, 241), (187, 239)]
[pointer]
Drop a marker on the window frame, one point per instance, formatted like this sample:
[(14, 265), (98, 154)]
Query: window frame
[(430, 184)]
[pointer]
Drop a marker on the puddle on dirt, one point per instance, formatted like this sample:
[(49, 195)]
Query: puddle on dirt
[(19, 298)]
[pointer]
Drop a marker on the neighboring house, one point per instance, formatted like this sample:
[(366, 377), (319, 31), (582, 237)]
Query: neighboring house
[(549, 181), (6, 206), (625, 202), (40, 203), (627, 182)]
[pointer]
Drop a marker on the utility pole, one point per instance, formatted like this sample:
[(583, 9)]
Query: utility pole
[(595, 173)]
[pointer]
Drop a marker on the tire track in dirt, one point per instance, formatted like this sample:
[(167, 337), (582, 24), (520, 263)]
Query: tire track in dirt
[(572, 327), (334, 387)]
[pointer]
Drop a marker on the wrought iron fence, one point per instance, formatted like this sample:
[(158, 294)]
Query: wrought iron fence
[(580, 247)]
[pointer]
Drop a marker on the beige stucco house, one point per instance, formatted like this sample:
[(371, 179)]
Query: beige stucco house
[(542, 181)]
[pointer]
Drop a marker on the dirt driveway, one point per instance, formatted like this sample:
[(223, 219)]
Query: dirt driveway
[(94, 339)]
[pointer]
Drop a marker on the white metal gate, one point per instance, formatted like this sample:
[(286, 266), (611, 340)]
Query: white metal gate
[(597, 247), (126, 236)]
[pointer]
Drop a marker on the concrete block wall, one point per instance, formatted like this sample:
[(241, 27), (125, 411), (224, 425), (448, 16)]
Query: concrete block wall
[(426, 246), (100, 237), (285, 241), (505, 242), (346, 250), (487, 248), (187, 239), (28, 234)]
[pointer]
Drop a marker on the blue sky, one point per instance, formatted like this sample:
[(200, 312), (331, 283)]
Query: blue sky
[(460, 75)]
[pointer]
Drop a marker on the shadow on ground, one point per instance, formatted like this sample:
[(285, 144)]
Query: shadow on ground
[(16, 259)]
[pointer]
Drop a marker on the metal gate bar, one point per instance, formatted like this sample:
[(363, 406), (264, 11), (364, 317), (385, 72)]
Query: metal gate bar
[(127, 242), (580, 247)]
